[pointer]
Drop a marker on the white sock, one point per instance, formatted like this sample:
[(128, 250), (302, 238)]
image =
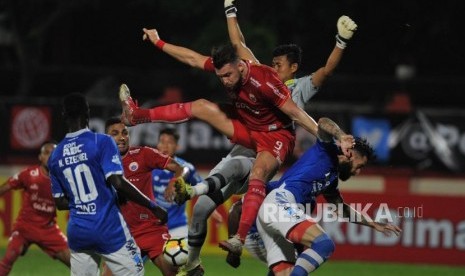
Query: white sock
[(200, 189)]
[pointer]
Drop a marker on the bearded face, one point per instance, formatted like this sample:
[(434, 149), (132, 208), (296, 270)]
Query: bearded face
[(345, 170)]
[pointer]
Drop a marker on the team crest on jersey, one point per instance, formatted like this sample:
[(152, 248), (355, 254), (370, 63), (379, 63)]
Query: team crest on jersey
[(133, 166), (252, 98)]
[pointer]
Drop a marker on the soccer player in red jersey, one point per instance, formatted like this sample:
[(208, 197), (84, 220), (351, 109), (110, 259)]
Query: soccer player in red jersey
[(36, 222), (261, 118), (138, 163)]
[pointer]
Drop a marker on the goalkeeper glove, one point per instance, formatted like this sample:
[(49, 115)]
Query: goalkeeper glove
[(345, 30), (229, 8), (184, 191)]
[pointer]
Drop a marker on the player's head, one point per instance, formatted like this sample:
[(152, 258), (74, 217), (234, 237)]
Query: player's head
[(228, 66), (168, 141), (286, 60), (46, 150), (120, 133), (362, 153), (76, 111)]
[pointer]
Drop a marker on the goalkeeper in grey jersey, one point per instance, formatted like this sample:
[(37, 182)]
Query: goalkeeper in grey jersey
[(230, 175)]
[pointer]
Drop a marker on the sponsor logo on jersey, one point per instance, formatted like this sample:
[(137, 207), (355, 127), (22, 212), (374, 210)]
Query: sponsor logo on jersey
[(115, 159), (247, 107), (34, 186), (134, 151), (34, 172), (254, 82)]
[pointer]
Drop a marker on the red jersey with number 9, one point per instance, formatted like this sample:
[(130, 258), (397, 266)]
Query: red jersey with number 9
[(259, 98)]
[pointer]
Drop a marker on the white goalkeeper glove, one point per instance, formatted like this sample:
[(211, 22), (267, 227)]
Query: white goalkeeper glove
[(345, 30), (229, 8)]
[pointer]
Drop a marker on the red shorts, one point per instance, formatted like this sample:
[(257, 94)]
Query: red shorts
[(50, 239), (151, 239), (279, 142)]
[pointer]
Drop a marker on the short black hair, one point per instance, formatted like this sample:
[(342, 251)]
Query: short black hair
[(364, 148), (224, 54), (75, 106), (112, 121), (293, 53), (170, 131)]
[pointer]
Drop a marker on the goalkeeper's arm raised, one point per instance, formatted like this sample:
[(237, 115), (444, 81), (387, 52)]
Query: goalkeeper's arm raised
[(345, 30), (235, 34)]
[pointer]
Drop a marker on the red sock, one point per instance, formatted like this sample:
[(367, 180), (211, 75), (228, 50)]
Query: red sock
[(172, 113), (252, 201)]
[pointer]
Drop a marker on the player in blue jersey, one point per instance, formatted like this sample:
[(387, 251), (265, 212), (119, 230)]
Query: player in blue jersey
[(282, 222), (86, 173), (163, 188)]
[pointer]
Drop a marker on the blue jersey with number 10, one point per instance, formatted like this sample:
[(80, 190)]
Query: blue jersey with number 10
[(79, 167)]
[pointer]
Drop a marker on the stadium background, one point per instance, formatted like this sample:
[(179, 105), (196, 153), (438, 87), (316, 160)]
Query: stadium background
[(400, 83)]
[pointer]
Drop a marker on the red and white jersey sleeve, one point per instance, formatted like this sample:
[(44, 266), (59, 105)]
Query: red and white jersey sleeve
[(208, 65)]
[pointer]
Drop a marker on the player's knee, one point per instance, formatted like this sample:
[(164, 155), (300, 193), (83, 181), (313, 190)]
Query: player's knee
[(203, 106), (200, 212), (324, 245), (239, 166)]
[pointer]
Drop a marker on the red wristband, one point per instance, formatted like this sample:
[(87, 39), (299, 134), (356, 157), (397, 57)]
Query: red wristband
[(160, 43)]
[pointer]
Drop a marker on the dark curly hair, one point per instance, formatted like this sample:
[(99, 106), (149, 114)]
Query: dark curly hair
[(364, 148), (224, 54)]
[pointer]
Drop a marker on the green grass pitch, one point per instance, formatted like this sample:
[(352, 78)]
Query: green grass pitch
[(35, 262)]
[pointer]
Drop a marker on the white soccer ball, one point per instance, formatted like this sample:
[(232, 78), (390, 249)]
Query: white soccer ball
[(175, 251)]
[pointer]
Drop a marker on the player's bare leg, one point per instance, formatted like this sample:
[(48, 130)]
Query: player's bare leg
[(165, 268), (64, 256)]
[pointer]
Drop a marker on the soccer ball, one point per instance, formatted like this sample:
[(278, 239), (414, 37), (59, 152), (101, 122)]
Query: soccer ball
[(175, 251)]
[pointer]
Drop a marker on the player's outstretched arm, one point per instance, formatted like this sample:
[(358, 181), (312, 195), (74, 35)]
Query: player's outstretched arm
[(182, 54), (346, 28), (299, 116), (328, 129), (356, 217), (235, 34), (125, 187)]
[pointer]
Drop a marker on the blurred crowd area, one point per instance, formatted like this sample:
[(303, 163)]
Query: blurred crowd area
[(400, 81)]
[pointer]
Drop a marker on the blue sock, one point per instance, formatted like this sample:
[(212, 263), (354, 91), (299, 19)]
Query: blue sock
[(309, 260)]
